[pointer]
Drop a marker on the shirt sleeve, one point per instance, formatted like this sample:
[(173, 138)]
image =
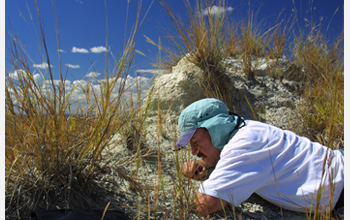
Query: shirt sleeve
[(235, 178)]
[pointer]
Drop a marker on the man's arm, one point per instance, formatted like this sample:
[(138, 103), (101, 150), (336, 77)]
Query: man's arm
[(205, 204)]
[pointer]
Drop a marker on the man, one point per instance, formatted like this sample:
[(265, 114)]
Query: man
[(252, 157)]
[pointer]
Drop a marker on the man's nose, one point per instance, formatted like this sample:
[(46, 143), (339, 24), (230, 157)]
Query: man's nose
[(195, 150)]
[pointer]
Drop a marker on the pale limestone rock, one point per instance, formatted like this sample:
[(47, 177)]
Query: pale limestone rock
[(270, 98)]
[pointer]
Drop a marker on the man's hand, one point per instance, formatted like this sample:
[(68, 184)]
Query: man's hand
[(194, 169), (206, 204)]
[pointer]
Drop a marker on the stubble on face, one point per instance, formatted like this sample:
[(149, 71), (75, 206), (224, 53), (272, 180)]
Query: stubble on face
[(203, 147)]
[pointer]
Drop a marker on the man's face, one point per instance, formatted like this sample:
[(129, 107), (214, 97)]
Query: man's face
[(203, 147)]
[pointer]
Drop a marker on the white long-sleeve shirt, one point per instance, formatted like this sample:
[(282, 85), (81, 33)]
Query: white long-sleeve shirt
[(285, 169)]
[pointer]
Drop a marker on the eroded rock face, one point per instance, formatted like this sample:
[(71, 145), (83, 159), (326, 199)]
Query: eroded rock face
[(177, 89), (271, 97)]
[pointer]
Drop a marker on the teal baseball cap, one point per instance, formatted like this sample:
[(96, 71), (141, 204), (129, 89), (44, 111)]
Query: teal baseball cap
[(208, 113)]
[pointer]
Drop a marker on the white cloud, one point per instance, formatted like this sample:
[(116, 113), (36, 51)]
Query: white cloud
[(21, 74), (72, 66), (77, 89), (99, 49), (62, 51), (79, 82), (152, 71), (43, 65), (79, 50), (215, 10), (134, 83), (37, 78), (93, 74), (15, 75)]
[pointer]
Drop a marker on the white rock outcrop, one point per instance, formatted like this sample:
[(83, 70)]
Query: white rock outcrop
[(271, 97)]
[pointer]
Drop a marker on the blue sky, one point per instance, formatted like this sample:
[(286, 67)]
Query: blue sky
[(82, 26)]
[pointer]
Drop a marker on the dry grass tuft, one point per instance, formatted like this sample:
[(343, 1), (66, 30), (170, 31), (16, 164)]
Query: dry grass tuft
[(54, 154), (201, 39), (322, 109)]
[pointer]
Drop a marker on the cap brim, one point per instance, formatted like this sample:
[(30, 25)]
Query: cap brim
[(184, 139)]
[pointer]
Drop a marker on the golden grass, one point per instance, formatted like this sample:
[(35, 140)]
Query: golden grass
[(201, 39), (54, 157), (323, 106)]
